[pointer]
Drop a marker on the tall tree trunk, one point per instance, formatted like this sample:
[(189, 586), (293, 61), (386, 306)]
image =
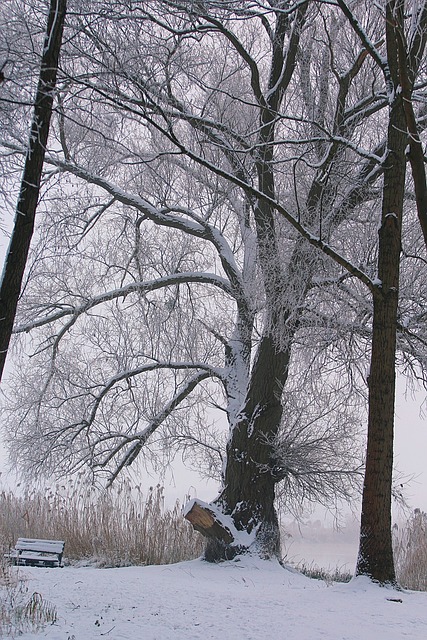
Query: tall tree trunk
[(16, 257), (249, 482), (375, 557)]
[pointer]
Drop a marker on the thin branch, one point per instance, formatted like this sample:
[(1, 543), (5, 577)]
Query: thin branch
[(142, 438)]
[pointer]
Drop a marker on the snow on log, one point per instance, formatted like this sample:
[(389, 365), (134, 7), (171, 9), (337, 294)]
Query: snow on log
[(207, 520)]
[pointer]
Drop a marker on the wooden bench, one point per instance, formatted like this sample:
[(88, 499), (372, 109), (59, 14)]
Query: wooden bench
[(41, 553)]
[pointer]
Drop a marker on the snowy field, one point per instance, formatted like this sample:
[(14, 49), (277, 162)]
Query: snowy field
[(246, 600)]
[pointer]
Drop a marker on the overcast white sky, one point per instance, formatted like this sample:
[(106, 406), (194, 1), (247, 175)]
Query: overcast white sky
[(411, 444)]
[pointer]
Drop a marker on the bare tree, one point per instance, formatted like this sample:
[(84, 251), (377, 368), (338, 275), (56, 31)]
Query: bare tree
[(376, 554), (216, 248), (16, 257)]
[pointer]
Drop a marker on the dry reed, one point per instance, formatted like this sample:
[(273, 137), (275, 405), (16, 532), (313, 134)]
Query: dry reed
[(410, 552), (114, 528)]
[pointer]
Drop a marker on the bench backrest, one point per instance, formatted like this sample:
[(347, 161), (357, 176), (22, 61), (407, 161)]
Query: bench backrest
[(45, 546)]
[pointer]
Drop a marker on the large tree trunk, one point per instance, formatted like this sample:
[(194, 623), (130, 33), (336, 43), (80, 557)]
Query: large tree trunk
[(16, 257), (375, 557), (249, 481)]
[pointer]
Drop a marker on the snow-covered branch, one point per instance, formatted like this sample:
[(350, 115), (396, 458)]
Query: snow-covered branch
[(141, 438), (123, 292)]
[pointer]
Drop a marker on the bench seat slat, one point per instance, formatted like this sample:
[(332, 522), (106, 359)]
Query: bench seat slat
[(31, 540), (37, 557), (49, 546)]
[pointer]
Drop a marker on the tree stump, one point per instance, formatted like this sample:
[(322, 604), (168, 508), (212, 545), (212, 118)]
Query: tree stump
[(207, 521)]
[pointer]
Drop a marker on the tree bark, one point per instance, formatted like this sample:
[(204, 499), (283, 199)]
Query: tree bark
[(249, 481), (375, 557), (16, 257)]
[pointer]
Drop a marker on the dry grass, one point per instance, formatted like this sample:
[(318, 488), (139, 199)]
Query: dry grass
[(410, 552), (116, 528), (20, 611), (327, 575)]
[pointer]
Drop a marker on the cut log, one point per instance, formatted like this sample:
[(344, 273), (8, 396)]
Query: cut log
[(207, 522)]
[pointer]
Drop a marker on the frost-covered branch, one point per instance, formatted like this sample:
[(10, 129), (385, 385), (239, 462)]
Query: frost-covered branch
[(123, 292), (208, 371), (141, 438)]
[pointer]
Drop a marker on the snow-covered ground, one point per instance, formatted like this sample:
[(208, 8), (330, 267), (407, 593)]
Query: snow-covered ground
[(245, 600)]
